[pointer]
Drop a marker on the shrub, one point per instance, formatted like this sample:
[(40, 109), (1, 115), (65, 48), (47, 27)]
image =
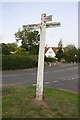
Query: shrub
[(20, 51), (12, 62), (5, 49)]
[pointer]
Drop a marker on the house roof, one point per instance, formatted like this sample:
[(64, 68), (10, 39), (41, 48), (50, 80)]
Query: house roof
[(53, 48)]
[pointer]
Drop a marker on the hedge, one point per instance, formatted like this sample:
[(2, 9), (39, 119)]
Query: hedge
[(12, 62)]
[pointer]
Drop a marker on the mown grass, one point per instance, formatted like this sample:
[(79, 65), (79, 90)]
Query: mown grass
[(20, 102)]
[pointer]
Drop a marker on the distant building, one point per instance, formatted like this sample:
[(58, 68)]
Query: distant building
[(50, 52)]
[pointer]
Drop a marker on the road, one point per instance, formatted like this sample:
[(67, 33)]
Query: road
[(62, 76)]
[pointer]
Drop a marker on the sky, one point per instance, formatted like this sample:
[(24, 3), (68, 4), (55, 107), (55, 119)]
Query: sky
[(16, 14)]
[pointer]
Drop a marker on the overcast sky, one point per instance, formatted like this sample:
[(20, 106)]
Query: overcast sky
[(16, 14)]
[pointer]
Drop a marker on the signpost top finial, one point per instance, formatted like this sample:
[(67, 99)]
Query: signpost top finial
[(43, 15)]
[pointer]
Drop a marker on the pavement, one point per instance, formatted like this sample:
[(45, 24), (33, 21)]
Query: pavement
[(61, 76)]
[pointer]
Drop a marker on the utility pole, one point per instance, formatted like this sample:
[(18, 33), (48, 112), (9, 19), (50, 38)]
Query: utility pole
[(40, 73)]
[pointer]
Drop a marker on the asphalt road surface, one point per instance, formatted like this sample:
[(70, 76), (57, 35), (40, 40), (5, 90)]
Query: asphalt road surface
[(62, 76)]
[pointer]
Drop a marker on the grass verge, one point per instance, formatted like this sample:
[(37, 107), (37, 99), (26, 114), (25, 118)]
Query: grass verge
[(20, 102)]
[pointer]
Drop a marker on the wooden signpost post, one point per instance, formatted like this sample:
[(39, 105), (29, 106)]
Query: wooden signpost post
[(40, 73)]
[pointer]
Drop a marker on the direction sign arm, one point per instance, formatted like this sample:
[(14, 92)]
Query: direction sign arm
[(34, 26), (52, 24)]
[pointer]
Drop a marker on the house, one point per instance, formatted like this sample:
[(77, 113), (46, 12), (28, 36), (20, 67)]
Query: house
[(50, 52)]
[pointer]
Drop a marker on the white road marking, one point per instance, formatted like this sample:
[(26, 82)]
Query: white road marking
[(76, 77), (71, 68), (64, 79), (73, 78), (66, 69), (55, 81), (46, 82), (58, 70)]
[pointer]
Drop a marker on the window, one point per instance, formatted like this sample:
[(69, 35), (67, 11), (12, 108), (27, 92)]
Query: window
[(50, 52)]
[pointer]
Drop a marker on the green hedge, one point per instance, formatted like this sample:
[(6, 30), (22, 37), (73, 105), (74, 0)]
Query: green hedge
[(12, 62)]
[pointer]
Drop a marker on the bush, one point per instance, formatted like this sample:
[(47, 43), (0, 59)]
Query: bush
[(12, 62), (5, 49), (20, 51)]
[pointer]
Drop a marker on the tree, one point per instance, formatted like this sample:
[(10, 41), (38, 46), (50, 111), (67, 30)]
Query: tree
[(78, 55), (5, 49), (12, 46), (70, 53), (60, 44), (29, 39), (59, 53), (20, 51)]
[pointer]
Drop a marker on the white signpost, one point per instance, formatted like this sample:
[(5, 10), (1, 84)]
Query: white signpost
[(40, 73)]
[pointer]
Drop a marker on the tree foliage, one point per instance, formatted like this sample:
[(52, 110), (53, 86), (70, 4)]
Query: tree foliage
[(5, 49), (78, 54), (20, 50), (70, 52), (29, 39), (59, 53), (12, 46), (60, 45)]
